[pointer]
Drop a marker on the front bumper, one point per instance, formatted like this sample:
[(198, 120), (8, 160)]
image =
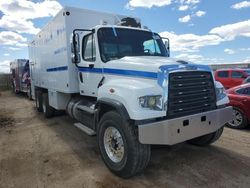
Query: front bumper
[(173, 131)]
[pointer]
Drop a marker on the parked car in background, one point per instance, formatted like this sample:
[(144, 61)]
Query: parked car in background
[(247, 80), (231, 77), (239, 97)]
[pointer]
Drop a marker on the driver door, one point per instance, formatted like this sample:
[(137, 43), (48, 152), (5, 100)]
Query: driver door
[(90, 70)]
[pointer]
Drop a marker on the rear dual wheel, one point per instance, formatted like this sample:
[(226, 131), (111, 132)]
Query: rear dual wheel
[(42, 104)]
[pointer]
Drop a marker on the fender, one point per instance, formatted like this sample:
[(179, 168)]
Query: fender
[(110, 104), (127, 91)]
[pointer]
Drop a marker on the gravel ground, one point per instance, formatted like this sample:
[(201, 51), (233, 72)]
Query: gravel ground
[(39, 152)]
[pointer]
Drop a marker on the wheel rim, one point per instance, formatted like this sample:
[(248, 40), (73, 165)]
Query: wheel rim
[(113, 144), (237, 118)]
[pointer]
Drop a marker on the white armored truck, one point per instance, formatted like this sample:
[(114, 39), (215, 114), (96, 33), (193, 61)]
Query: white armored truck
[(116, 79)]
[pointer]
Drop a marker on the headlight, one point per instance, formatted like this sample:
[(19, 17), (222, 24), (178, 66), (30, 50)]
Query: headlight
[(220, 93), (151, 101)]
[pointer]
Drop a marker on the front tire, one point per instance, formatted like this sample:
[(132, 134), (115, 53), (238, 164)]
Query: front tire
[(120, 148), (206, 139), (239, 121)]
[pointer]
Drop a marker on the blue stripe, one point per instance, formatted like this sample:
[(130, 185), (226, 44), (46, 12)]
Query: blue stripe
[(64, 68), (133, 73)]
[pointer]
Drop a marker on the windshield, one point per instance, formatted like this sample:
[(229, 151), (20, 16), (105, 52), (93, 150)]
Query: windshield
[(115, 43)]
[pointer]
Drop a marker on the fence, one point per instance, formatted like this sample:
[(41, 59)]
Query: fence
[(5, 82)]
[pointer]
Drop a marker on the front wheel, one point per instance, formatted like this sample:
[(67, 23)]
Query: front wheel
[(207, 139), (120, 148)]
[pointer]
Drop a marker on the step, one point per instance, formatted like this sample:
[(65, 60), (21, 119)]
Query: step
[(85, 129), (86, 109)]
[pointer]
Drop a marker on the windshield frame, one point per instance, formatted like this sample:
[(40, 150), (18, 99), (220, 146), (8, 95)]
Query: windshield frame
[(164, 53)]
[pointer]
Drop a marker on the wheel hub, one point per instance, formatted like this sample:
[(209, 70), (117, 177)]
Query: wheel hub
[(113, 144)]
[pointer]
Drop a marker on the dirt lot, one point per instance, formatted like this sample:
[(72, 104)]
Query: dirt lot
[(39, 152)]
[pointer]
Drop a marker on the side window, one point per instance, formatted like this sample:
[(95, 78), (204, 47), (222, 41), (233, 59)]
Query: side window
[(248, 79), (248, 91), (223, 74), (88, 48), (237, 74), (244, 91)]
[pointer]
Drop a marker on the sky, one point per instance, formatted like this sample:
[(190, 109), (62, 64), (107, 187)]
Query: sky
[(201, 31)]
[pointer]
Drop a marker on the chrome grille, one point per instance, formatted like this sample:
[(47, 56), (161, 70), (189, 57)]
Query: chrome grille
[(190, 92)]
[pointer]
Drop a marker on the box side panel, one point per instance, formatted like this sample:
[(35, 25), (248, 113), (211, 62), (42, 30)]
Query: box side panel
[(49, 58)]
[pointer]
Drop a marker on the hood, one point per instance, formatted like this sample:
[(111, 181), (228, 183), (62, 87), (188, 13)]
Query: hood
[(153, 64)]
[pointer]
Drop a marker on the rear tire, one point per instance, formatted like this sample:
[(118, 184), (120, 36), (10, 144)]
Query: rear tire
[(47, 109), (120, 148), (239, 121), (206, 139), (39, 101)]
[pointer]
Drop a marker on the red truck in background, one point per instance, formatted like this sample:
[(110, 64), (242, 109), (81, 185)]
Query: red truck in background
[(20, 76), (231, 77)]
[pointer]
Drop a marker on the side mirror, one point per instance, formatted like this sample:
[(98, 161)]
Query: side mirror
[(75, 58), (167, 47), (75, 48)]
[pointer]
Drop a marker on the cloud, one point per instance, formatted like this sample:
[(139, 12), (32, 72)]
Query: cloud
[(17, 14), (183, 7), (230, 31), (190, 42), (12, 38), (18, 25), (199, 59), (29, 10), (14, 48), (187, 4), (6, 54), (244, 49), (5, 66), (229, 51), (200, 13), (190, 1), (243, 4), (188, 17), (185, 19), (147, 3)]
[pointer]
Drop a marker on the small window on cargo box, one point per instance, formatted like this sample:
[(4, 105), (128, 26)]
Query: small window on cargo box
[(237, 74), (223, 74), (88, 48)]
